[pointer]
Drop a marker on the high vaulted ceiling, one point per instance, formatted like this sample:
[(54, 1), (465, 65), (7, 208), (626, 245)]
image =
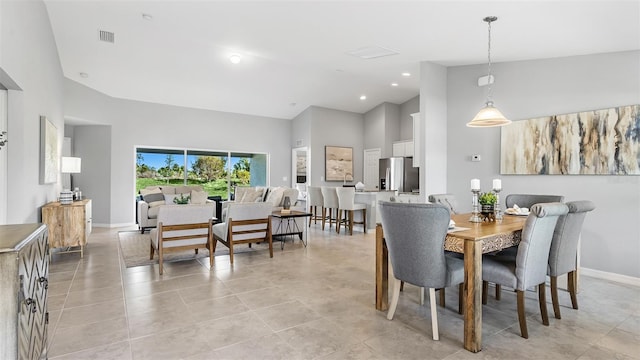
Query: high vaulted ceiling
[(294, 53)]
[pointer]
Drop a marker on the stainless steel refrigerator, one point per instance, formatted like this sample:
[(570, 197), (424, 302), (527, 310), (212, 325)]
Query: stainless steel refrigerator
[(398, 173)]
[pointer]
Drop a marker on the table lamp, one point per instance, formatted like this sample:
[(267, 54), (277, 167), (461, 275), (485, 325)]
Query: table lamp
[(69, 165)]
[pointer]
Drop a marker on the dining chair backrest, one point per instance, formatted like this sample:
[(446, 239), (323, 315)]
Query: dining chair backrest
[(314, 196), (346, 198), (533, 250), (448, 200), (415, 235), (564, 247), (330, 197), (528, 200)]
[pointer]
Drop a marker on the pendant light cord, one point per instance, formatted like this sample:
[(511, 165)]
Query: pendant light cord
[(489, 80)]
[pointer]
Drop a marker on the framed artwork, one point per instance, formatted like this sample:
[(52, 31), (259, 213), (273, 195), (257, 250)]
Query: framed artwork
[(49, 153), (338, 163), (598, 142)]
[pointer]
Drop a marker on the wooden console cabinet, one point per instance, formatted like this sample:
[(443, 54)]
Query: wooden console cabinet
[(24, 283), (69, 225)]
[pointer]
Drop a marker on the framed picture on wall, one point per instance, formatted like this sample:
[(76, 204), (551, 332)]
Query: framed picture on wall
[(49, 153), (338, 163)]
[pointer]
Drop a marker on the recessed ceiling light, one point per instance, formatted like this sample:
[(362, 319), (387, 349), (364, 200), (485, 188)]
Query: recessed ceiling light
[(363, 97), (394, 84), (84, 75), (235, 58), (406, 74), (147, 17)]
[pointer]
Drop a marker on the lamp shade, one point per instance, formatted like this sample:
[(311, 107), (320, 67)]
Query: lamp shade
[(70, 164), (489, 116)]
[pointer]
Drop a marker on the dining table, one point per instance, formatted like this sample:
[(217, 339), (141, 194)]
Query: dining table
[(471, 239)]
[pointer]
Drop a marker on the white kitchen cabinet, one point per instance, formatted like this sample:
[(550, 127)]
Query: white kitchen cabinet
[(403, 148)]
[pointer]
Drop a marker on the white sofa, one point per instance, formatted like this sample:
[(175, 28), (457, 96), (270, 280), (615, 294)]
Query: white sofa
[(152, 197)]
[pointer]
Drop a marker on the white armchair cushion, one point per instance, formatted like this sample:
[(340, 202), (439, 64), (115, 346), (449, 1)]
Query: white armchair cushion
[(242, 211)]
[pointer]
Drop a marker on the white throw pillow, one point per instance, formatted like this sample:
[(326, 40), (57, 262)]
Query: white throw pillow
[(274, 197), (198, 197), (252, 195)]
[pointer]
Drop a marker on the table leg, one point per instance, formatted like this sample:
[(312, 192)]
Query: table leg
[(473, 295), (382, 271)]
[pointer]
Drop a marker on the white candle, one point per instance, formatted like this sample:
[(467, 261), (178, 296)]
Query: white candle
[(475, 184), (497, 184)]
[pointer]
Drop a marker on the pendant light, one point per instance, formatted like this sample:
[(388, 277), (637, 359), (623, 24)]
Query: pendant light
[(489, 116)]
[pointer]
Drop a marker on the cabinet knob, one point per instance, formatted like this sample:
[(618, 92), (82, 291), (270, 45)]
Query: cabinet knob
[(43, 280)]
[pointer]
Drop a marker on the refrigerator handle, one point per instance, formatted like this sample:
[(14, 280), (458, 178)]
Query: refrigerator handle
[(386, 179)]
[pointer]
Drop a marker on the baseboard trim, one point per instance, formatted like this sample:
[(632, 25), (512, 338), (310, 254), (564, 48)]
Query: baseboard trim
[(624, 279), (113, 225)]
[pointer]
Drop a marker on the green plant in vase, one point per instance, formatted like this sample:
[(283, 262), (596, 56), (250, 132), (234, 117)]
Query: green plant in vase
[(182, 200), (487, 204)]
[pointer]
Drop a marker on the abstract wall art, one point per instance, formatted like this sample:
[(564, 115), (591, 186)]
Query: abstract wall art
[(599, 142), (338, 163), (49, 154)]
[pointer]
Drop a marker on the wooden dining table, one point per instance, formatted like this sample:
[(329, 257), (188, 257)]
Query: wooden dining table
[(472, 240)]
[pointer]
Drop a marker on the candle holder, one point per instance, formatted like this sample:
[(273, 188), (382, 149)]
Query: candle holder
[(496, 210), (475, 214)]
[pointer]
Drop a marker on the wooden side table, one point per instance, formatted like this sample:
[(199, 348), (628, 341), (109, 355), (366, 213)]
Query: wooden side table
[(69, 225)]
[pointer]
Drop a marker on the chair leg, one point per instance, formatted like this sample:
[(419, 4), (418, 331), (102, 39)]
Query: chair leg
[(401, 285), (554, 297), (498, 291), (313, 214), (542, 299), (160, 256), (485, 289), (324, 217), (572, 282), (460, 298), (442, 296), (521, 315), (339, 221), (350, 222), (230, 241), (394, 299), (421, 296), (151, 252), (364, 220), (196, 250), (434, 314)]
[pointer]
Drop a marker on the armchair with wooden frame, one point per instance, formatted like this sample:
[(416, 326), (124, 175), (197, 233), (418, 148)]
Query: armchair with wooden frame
[(244, 223), (183, 227)]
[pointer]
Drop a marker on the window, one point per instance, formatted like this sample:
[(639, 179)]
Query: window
[(217, 172)]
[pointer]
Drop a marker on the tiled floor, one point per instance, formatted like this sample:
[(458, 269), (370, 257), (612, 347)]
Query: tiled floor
[(305, 303)]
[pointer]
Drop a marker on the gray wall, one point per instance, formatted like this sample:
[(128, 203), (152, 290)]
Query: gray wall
[(529, 89), (433, 129), (135, 123), (93, 145), (407, 108), (31, 70), (335, 128)]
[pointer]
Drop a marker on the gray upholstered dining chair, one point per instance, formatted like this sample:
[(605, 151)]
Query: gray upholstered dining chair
[(415, 235), (315, 200), (448, 200), (529, 268), (564, 250), (346, 202), (330, 201), (523, 201), (528, 200)]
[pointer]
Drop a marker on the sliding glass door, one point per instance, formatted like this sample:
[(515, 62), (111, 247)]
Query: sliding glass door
[(217, 172)]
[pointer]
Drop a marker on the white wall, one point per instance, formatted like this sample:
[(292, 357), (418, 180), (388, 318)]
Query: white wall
[(135, 123), (28, 56), (529, 89), (407, 108)]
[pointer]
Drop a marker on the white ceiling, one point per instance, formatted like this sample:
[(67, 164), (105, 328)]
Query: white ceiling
[(294, 52)]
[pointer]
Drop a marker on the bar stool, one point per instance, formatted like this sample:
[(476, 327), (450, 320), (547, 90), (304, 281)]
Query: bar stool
[(346, 198), (315, 199), (330, 202)]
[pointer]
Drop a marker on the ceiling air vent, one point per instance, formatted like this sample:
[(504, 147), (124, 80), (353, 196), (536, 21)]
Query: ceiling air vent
[(372, 52), (107, 36)]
